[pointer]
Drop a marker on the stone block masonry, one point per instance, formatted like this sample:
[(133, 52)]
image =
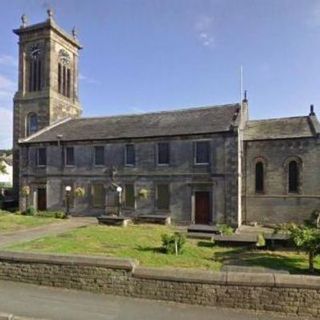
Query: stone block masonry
[(290, 294)]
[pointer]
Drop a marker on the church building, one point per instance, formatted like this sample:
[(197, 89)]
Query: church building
[(203, 165)]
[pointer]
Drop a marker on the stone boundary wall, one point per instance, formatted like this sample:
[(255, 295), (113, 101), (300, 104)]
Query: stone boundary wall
[(290, 294)]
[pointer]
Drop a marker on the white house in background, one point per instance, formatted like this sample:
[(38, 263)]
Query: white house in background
[(6, 179)]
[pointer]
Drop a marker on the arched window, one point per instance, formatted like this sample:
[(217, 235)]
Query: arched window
[(293, 176), (259, 177), (35, 74), (32, 124)]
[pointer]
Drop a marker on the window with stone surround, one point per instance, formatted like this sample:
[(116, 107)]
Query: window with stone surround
[(99, 155), (41, 156), (129, 196), (293, 177), (69, 156), (163, 153), (259, 177), (202, 152), (32, 124), (98, 195), (293, 174), (130, 155), (35, 74), (163, 196)]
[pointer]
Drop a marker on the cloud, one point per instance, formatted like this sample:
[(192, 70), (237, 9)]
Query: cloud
[(86, 79), (8, 60), (203, 27), (5, 128)]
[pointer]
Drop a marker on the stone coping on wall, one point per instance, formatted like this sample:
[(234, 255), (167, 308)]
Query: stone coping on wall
[(80, 260), (170, 274)]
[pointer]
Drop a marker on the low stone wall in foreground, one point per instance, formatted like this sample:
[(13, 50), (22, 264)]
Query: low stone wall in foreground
[(290, 294)]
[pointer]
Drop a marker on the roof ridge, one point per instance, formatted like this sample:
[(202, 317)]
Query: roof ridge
[(282, 118), (187, 109)]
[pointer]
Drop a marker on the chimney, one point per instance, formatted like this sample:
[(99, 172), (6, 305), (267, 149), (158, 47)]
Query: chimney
[(312, 113)]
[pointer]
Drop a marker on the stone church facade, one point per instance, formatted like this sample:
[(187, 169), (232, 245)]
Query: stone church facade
[(200, 165)]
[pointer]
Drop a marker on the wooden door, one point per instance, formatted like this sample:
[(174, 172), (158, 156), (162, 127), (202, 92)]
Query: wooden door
[(42, 199), (202, 207)]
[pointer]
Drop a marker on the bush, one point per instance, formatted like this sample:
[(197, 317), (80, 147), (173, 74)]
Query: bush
[(261, 241), (30, 211), (60, 215), (79, 192), (52, 214), (224, 229), (173, 243)]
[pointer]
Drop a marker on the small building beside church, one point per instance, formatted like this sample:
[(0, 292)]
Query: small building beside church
[(202, 165)]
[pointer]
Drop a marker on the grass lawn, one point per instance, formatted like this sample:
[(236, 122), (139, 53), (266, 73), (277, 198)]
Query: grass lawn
[(143, 242), (12, 222)]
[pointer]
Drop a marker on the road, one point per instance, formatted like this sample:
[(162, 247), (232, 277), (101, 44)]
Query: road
[(61, 304)]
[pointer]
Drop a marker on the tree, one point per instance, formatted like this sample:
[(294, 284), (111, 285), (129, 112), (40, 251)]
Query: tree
[(2, 167), (307, 239)]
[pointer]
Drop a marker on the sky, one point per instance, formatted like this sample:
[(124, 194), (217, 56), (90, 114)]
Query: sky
[(151, 55)]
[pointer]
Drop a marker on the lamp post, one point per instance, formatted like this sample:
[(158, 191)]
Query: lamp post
[(119, 190), (68, 193)]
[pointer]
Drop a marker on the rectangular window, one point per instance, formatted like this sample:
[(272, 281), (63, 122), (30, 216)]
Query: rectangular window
[(163, 197), (42, 157), (98, 195), (202, 152), (69, 156), (129, 196), (130, 155), (99, 156), (163, 153)]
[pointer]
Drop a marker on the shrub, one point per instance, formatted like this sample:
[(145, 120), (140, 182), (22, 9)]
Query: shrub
[(60, 215), (79, 192), (173, 243), (30, 211), (224, 229), (52, 214), (144, 193), (25, 191), (261, 241), (307, 239)]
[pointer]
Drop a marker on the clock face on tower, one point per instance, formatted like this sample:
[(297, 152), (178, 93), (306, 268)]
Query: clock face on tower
[(64, 56), (35, 51)]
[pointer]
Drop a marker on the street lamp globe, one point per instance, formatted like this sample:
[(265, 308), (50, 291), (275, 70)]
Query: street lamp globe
[(119, 189), (68, 188)]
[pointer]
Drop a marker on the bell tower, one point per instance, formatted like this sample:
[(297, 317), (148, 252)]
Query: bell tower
[(47, 81)]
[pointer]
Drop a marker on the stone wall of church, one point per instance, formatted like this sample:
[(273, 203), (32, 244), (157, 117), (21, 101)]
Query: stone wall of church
[(275, 204), (184, 177)]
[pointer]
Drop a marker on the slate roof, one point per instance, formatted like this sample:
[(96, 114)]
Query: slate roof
[(282, 128), (166, 123)]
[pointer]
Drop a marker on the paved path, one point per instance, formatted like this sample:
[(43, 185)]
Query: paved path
[(8, 239), (60, 304)]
